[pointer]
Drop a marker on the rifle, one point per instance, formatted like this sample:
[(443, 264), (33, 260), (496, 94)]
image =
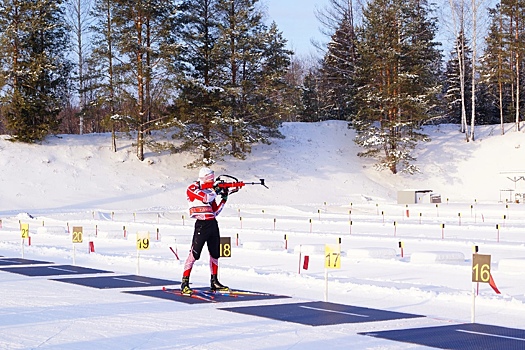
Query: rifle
[(234, 186)]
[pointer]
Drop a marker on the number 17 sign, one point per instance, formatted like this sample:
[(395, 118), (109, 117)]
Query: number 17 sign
[(332, 256), (332, 260)]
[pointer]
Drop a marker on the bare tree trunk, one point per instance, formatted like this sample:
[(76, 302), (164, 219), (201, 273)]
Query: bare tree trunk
[(78, 18), (500, 78), (140, 82), (460, 50), (474, 39)]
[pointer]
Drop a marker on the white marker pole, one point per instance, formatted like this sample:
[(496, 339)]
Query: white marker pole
[(473, 309), (74, 249), (326, 285), (138, 262)]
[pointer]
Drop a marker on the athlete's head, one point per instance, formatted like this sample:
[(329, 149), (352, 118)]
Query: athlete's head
[(206, 175)]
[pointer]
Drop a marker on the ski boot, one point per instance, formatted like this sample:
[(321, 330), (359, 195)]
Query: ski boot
[(215, 285), (185, 286)]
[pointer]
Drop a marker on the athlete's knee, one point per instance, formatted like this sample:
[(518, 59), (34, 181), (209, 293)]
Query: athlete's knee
[(196, 254)]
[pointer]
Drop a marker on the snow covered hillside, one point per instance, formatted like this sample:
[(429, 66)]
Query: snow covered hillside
[(319, 193), (315, 163)]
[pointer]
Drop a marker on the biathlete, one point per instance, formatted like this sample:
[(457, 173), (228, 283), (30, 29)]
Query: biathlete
[(204, 208)]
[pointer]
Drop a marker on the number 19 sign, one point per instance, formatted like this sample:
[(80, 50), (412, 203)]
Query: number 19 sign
[(142, 244)]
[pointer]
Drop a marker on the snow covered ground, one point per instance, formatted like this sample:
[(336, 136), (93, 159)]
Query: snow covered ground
[(319, 193)]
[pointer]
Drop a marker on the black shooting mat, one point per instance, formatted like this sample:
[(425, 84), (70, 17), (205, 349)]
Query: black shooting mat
[(20, 261), (468, 336), (53, 270), (320, 313), (126, 281)]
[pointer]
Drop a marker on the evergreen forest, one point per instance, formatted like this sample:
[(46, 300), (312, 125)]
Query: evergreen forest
[(217, 77)]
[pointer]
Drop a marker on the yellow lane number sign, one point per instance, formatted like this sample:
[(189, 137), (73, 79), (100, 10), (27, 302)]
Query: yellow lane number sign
[(24, 230), (77, 234), (225, 248), (332, 256), (480, 268), (142, 240)]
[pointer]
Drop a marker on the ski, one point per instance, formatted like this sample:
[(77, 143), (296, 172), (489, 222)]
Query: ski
[(195, 294), (225, 293), (233, 292)]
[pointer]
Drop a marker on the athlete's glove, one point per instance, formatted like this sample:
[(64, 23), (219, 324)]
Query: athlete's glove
[(224, 194)]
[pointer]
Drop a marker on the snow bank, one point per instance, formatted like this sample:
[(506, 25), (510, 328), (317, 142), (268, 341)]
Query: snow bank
[(309, 249), (115, 234), (373, 253), (437, 257), (264, 245), (512, 266), (52, 230)]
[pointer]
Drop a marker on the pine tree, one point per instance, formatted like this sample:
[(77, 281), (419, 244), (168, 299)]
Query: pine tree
[(496, 68), (397, 69), (34, 40), (457, 91), (514, 14), (103, 79), (144, 32), (198, 106), (232, 82), (311, 96), (338, 72)]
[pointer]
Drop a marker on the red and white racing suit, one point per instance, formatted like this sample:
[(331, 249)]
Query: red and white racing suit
[(203, 207), (202, 202)]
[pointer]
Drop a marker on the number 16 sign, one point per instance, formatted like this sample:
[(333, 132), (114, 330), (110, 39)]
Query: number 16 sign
[(480, 273)]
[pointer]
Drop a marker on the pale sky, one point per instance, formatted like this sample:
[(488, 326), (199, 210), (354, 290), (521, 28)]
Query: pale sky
[(296, 19)]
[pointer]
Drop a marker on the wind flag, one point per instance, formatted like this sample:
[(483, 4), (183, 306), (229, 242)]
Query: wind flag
[(493, 285)]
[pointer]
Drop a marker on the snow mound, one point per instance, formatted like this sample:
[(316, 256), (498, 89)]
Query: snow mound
[(373, 253), (264, 245), (51, 230), (115, 234), (512, 266), (437, 257), (309, 249)]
